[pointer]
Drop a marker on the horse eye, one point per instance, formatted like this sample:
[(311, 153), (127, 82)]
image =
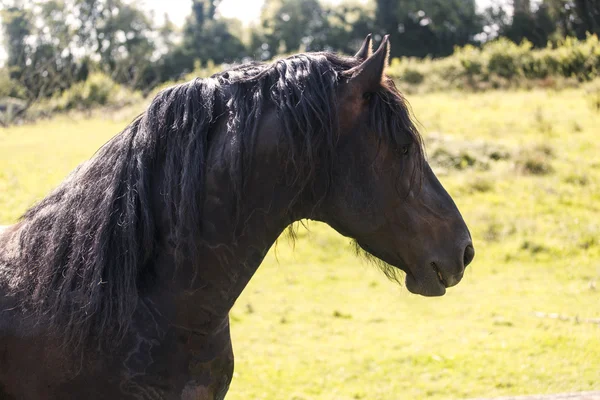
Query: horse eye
[(405, 149)]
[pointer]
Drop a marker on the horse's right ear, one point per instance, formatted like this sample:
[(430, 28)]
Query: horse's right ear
[(367, 76), (366, 50)]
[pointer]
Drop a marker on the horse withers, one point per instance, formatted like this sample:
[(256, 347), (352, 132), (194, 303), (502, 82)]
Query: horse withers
[(118, 284)]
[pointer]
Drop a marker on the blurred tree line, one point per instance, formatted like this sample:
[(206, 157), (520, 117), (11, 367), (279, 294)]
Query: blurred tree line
[(54, 44)]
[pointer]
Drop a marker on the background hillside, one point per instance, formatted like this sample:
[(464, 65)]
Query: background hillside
[(83, 53)]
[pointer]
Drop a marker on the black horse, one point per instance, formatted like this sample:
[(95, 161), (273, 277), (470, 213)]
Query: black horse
[(118, 284)]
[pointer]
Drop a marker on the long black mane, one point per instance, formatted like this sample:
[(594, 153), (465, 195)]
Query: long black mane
[(85, 250)]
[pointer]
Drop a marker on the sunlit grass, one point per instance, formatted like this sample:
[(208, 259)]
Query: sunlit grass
[(316, 323)]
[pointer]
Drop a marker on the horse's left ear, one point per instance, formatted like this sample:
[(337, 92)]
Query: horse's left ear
[(367, 76), (366, 49)]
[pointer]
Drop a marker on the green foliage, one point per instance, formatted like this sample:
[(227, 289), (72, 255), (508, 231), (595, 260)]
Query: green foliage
[(97, 90), (17, 27), (291, 25), (469, 60), (502, 63), (536, 27), (413, 76), (54, 44), (203, 71), (420, 28), (11, 95), (50, 44), (207, 38), (10, 110), (204, 38), (347, 25), (504, 57), (199, 71), (574, 17), (10, 87)]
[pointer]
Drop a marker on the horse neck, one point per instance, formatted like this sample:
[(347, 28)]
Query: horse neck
[(205, 287)]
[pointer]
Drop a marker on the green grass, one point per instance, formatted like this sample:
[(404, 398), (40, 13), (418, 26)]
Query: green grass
[(316, 323)]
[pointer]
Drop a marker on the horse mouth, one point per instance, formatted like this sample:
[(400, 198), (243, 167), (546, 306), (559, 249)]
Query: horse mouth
[(439, 274), (430, 285), (426, 283)]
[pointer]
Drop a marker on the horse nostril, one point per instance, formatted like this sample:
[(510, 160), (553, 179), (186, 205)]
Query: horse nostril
[(469, 255)]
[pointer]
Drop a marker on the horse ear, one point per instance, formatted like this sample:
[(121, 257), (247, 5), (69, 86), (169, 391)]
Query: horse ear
[(365, 50), (367, 76)]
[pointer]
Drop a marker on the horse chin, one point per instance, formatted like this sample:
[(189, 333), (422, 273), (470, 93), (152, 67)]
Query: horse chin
[(425, 283), (426, 286)]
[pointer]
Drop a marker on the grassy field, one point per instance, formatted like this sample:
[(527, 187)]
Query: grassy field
[(316, 323)]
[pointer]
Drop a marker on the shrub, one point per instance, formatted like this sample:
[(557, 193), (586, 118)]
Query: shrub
[(505, 57), (471, 62), (12, 95), (11, 109), (201, 71), (413, 76), (98, 90), (502, 64), (10, 87)]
